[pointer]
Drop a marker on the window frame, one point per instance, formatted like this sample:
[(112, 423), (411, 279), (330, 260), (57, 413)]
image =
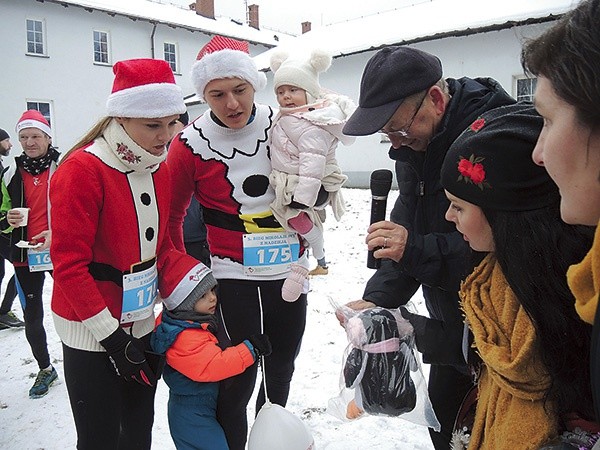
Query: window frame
[(532, 81), (108, 49), (35, 104), (175, 54), (36, 33)]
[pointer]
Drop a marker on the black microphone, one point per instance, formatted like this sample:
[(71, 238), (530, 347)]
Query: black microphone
[(381, 182)]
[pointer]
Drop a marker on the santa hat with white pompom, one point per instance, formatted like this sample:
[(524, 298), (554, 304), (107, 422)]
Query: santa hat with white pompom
[(299, 71), (224, 57)]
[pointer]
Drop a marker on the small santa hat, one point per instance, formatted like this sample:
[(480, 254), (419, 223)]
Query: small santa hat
[(183, 280), (300, 71), (144, 88), (33, 119), (223, 57)]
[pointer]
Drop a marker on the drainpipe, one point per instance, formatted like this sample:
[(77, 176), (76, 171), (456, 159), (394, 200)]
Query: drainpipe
[(152, 40)]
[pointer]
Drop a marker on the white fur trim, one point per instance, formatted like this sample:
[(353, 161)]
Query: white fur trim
[(85, 335), (186, 286), (148, 101), (226, 64), (30, 123)]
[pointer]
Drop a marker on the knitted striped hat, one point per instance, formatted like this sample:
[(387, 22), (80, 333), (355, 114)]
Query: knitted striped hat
[(144, 88), (223, 57)]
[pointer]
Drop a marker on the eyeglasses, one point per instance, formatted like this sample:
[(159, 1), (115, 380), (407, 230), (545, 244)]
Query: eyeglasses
[(403, 132)]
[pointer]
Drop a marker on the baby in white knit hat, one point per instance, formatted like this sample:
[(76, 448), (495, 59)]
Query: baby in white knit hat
[(306, 176)]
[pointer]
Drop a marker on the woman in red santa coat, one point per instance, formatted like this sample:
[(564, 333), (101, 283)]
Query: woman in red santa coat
[(110, 201)]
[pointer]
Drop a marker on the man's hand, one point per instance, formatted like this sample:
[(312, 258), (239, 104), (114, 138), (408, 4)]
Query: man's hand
[(14, 218), (45, 237), (388, 239), (356, 305), (360, 304)]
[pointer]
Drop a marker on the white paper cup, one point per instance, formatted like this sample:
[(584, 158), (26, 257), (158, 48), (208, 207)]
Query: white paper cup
[(25, 213)]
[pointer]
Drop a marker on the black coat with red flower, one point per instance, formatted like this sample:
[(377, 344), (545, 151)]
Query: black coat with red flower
[(437, 257)]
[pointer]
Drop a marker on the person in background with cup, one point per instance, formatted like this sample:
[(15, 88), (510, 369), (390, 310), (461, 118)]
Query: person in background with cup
[(8, 319), (25, 184)]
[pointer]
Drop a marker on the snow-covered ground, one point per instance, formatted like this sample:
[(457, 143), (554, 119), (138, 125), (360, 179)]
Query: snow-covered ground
[(47, 423)]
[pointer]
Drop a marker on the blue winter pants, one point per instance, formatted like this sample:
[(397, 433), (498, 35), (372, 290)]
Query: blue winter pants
[(193, 422)]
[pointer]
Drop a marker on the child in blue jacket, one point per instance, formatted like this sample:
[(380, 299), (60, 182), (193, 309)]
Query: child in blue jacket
[(185, 332)]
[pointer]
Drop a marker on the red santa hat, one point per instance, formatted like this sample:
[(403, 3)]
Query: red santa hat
[(183, 280), (33, 119), (144, 88), (224, 57)]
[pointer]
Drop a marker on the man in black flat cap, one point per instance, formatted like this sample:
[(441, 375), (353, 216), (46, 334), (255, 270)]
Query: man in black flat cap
[(404, 96)]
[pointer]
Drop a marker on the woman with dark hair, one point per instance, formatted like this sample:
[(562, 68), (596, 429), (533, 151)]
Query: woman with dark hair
[(566, 60), (532, 378)]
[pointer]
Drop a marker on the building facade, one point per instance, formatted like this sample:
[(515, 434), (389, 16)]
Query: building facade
[(58, 57)]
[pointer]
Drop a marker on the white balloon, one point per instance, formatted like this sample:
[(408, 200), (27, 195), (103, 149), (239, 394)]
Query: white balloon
[(275, 428)]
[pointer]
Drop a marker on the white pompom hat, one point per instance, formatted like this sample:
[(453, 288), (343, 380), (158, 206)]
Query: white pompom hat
[(223, 57), (300, 71), (144, 88)]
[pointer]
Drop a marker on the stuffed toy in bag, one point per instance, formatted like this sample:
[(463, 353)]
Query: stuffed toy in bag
[(380, 363)]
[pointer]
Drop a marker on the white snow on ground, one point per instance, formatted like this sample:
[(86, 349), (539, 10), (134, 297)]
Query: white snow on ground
[(47, 423)]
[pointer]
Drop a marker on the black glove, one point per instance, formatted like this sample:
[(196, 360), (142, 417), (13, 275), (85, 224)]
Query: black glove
[(261, 344), (127, 356)]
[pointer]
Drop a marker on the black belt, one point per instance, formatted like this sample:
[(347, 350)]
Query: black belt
[(106, 272), (232, 222)]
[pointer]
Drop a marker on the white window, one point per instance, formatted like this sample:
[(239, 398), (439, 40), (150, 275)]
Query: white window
[(525, 88), (170, 51), (35, 37), (101, 53), (42, 107)]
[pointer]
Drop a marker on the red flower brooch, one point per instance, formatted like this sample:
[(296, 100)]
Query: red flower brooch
[(472, 171)]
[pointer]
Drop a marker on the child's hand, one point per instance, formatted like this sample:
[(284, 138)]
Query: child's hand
[(261, 344)]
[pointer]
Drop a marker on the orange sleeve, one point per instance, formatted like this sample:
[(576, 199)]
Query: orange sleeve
[(196, 355)]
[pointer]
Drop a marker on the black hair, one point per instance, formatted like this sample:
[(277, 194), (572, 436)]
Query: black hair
[(184, 118), (534, 250)]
